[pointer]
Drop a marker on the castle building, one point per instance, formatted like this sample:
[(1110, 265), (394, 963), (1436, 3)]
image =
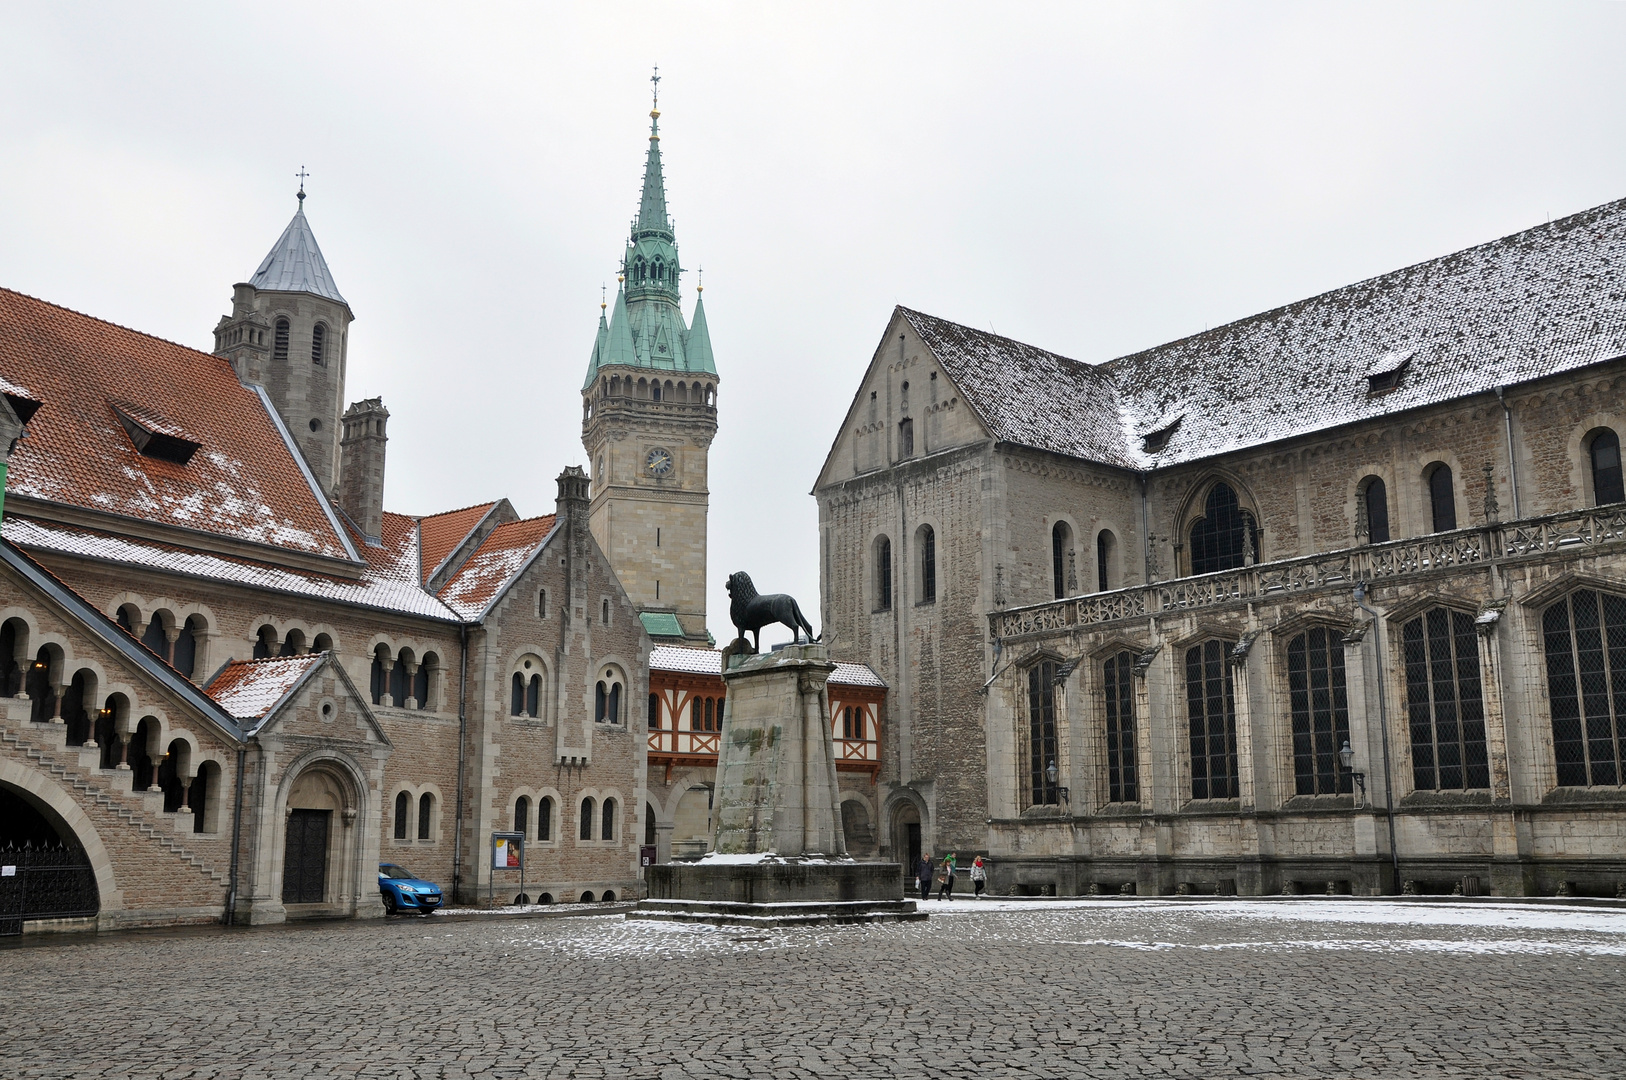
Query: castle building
[(649, 412), (1332, 598), (232, 684)]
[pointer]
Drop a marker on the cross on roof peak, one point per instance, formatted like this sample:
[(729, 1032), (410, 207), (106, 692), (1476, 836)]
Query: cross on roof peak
[(302, 174)]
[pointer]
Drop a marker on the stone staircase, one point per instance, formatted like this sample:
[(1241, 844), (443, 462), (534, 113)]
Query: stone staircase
[(99, 786)]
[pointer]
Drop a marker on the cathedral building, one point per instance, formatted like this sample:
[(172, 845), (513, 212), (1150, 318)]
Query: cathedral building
[(1330, 599)]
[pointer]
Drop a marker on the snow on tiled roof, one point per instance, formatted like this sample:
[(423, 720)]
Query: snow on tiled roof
[(1537, 303), (856, 675), (688, 661), (493, 564), (249, 689), (389, 583), (243, 481), (441, 533)]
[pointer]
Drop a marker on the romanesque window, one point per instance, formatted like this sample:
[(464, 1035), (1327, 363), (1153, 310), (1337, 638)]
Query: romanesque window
[(186, 646), (1442, 499), (1375, 501), (544, 819), (607, 829), (883, 574), (1443, 702), (1222, 538), (607, 700), (516, 695), (586, 831), (154, 636), (1119, 692), (1603, 449), (203, 797), (906, 438), (426, 808), (926, 538), (1586, 687), (522, 815), (1041, 733), (318, 344), (1211, 710), (13, 647), (1106, 546), (533, 696), (420, 679), (39, 684), (1061, 546), (279, 344), (1320, 711), (403, 810)]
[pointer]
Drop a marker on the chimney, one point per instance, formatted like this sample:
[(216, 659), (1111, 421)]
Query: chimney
[(361, 467)]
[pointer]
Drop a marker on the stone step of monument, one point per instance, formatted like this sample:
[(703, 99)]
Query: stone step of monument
[(817, 913)]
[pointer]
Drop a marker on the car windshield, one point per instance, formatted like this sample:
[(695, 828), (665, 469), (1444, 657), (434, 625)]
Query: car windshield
[(397, 873)]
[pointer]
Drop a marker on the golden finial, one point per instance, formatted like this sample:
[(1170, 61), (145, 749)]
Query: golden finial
[(700, 284), (602, 303)]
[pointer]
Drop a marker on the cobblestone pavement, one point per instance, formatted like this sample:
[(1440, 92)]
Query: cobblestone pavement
[(1102, 988)]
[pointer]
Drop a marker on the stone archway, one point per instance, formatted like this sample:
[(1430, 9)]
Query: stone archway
[(320, 842), (60, 868), (907, 833)]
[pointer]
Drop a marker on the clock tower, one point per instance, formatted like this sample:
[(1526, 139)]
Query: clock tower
[(649, 412)]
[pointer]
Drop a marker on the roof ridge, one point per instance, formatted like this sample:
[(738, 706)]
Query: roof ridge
[(448, 513), (110, 322), (272, 659), (908, 311)]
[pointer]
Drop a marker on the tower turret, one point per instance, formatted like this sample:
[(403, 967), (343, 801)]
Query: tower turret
[(288, 332), (649, 413)]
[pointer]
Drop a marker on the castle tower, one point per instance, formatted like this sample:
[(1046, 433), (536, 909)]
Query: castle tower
[(649, 411), (287, 332)]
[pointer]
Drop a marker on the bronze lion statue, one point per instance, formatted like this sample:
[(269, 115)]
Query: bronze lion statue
[(751, 612)]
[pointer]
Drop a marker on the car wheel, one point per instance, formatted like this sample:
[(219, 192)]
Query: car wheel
[(389, 903)]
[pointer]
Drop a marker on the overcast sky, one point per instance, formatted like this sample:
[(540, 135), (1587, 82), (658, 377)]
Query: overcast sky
[(1090, 179)]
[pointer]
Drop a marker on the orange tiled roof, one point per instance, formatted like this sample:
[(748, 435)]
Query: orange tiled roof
[(242, 482), (441, 533), (496, 562)]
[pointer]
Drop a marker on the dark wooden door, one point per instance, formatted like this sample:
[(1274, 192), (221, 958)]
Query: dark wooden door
[(304, 864)]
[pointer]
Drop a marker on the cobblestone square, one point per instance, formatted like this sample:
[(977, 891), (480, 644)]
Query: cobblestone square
[(1104, 988)]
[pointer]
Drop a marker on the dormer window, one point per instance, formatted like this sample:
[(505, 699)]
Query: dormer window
[(154, 437), (319, 344), (1384, 374), (1157, 438)]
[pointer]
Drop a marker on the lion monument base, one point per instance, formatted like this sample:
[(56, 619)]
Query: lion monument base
[(779, 853)]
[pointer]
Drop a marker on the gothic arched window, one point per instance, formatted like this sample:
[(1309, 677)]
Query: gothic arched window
[(279, 343), (1211, 710), (1585, 635), (1220, 539), (1061, 546), (1444, 703), (1442, 498), (1122, 785), (1320, 711), (1603, 448), (1042, 790)]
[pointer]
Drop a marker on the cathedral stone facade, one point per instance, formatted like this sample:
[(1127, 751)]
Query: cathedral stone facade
[(1328, 599)]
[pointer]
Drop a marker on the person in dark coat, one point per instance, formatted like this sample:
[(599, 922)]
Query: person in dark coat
[(923, 877)]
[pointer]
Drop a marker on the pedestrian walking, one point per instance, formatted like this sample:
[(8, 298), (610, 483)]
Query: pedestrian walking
[(945, 889), (923, 877), (979, 876)]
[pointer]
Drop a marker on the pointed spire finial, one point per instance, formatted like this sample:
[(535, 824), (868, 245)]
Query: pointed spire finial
[(700, 282), (602, 292), (655, 81), (302, 174)]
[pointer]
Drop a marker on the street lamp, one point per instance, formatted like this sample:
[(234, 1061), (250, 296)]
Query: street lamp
[(1346, 758), (1051, 774)]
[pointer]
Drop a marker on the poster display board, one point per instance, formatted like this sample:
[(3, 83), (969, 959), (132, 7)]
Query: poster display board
[(507, 853)]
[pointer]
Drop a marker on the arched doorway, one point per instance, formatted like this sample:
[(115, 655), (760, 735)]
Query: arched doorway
[(45, 872), (319, 840), (907, 839)]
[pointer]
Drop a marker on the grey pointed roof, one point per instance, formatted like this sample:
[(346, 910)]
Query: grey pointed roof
[(295, 264)]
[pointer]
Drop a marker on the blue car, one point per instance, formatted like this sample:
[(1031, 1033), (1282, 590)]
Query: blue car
[(405, 891)]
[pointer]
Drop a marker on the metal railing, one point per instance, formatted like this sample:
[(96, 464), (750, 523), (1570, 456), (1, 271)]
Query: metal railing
[(1512, 541)]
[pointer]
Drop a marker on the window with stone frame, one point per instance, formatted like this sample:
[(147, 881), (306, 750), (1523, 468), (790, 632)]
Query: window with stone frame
[(1222, 539), (1318, 704), (1211, 714), (1603, 455), (1118, 692), (586, 820), (1444, 702), (426, 809), (544, 819), (522, 815), (883, 574), (1585, 638), (1061, 554), (1442, 497), (403, 811), (516, 695), (927, 539), (1041, 735), (1375, 505)]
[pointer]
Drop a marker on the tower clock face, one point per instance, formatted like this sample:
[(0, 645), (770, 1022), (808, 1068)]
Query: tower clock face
[(659, 462)]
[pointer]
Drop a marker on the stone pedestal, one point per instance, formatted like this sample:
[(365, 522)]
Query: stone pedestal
[(779, 856)]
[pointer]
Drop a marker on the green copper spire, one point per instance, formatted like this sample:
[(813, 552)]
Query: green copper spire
[(646, 327)]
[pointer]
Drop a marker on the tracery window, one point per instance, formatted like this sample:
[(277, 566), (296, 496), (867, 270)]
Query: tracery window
[(1603, 450), (1442, 499), (1042, 733), (1444, 703), (1585, 635), (1119, 692), (928, 565), (1319, 705), (1061, 545), (279, 343), (1211, 710), (1221, 538)]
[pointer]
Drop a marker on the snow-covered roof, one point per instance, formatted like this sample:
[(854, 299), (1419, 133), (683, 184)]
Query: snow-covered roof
[(687, 661), (251, 689), (856, 675), (1534, 304), (494, 564)]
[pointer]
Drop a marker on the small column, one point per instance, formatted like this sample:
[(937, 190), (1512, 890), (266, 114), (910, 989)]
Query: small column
[(56, 712), (157, 762), (186, 795), (169, 643), (124, 752), (412, 681)]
